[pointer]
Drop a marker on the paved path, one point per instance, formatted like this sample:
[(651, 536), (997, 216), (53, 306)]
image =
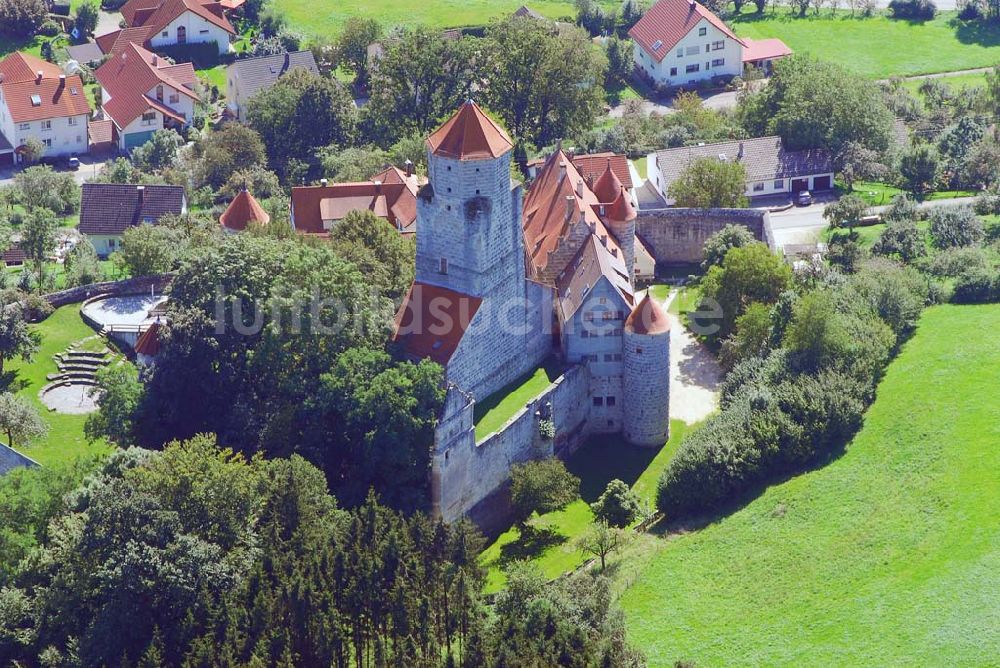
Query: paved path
[(694, 374)]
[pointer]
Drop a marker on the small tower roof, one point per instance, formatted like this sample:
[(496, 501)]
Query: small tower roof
[(608, 186), (648, 318), (621, 208), (242, 211), (149, 341), (469, 135)]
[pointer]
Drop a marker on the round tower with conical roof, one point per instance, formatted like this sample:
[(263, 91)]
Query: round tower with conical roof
[(646, 375), (618, 214)]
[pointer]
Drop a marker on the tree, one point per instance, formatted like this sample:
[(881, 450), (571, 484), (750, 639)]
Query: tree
[(720, 243), (151, 249), (352, 47), (543, 84), (920, 168), (259, 180), (41, 187), (751, 338), (710, 183), (16, 339), (420, 79), (234, 147), (955, 227), (38, 238), (159, 153), (377, 248), (602, 539), (818, 334), (856, 162), (541, 486), (32, 149), (86, 18), (19, 420), (352, 164), (631, 12), (301, 113), (81, 264), (22, 18), (119, 393), (901, 239), (620, 65), (846, 212), (119, 170), (817, 104), (618, 505)]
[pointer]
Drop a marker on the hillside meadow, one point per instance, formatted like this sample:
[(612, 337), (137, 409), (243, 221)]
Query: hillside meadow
[(889, 555)]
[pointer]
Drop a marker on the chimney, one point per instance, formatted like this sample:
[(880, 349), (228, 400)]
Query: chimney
[(142, 193), (579, 188), (593, 226), (38, 76), (570, 205), (155, 60), (562, 169), (739, 156), (604, 240), (602, 211), (409, 167), (62, 80), (323, 182), (378, 186), (691, 5)]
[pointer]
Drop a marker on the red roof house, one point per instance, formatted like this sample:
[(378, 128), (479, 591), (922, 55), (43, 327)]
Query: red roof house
[(158, 23)]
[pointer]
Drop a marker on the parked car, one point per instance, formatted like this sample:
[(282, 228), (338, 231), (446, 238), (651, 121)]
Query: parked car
[(73, 164), (804, 198)]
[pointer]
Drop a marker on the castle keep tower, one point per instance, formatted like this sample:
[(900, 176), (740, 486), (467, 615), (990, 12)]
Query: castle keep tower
[(647, 375)]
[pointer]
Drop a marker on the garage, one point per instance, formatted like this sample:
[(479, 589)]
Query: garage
[(798, 185), (822, 183), (7, 159)]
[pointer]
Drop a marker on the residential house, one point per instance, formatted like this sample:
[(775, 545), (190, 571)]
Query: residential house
[(248, 76), (391, 194), (154, 24), (108, 209), (244, 210), (143, 93), (38, 100), (771, 169), (680, 43)]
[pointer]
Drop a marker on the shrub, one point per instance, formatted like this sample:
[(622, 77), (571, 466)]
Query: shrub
[(717, 245), (896, 294), (913, 10), (977, 286), (22, 17), (901, 239), (955, 261), (952, 227), (36, 307), (49, 29), (970, 10), (618, 506)]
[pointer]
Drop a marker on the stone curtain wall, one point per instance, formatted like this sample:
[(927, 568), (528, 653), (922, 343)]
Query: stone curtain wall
[(131, 286), (10, 459), (470, 478), (677, 236)]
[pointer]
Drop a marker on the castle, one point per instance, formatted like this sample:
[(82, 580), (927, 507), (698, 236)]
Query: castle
[(506, 281)]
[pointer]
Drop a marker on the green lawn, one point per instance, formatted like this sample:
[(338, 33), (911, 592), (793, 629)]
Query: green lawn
[(879, 47), (598, 462), (888, 556), (957, 83), (493, 412), (65, 440), (327, 19), (868, 235), (882, 194)]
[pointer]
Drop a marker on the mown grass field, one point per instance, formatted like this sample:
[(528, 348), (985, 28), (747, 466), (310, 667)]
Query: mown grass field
[(889, 555), (957, 83), (494, 411), (553, 548), (880, 47), (326, 19), (65, 440)]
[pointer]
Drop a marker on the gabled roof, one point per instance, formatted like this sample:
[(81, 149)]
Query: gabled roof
[(557, 200), (469, 135), (131, 74), (115, 42), (669, 21), (432, 321), (149, 341), (764, 49), (111, 208), (649, 318), (29, 98), (593, 262), (592, 165), (254, 74), (242, 211), (765, 159), (101, 132), (394, 198), (157, 14)]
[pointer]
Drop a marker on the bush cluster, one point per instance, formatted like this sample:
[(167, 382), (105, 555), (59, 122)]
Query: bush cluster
[(912, 10)]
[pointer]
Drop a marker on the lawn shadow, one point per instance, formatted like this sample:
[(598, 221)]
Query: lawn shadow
[(983, 33), (531, 542), (10, 382), (604, 458)]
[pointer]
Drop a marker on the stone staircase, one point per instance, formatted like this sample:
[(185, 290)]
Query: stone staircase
[(79, 367)]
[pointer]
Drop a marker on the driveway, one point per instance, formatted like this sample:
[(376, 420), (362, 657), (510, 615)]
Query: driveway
[(89, 167)]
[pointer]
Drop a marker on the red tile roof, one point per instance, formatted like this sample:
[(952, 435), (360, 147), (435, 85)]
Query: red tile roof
[(668, 21), (157, 14), (608, 186), (648, 318), (394, 198), (149, 341), (432, 321), (592, 165), (115, 42), (242, 211), (555, 190), (101, 132), (55, 97), (469, 135), (621, 209), (130, 75), (764, 49)]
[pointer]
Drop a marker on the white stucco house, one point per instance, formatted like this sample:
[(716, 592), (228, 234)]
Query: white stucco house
[(154, 24), (680, 43), (38, 100), (142, 93)]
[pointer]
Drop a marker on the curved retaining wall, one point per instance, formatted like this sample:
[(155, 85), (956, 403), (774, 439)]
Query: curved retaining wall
[(129, 286)]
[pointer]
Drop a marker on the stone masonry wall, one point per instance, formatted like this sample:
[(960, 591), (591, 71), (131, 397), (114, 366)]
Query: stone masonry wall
[(677, 236)]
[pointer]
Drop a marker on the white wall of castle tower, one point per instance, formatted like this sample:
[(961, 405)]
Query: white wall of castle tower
[(646, 381)]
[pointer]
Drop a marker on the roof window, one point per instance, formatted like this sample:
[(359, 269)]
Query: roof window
[(36, 100), (657, 44)]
